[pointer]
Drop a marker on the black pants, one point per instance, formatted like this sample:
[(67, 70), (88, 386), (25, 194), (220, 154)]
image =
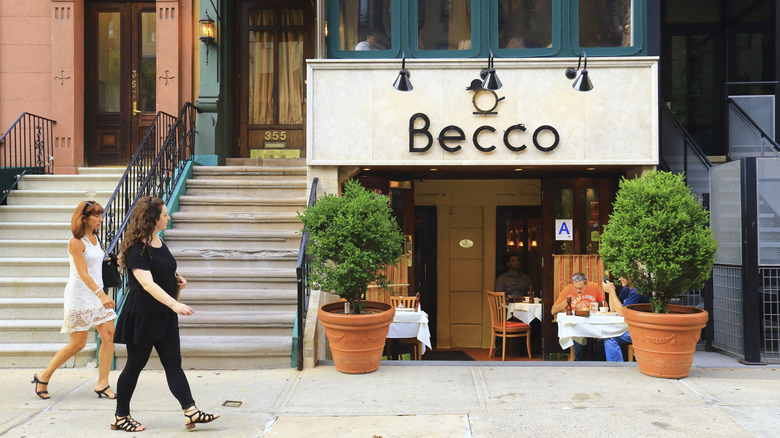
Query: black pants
[(169, 351)]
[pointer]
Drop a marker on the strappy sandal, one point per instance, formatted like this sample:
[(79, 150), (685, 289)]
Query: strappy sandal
[(102, 392), (40, 393), (126, 423), (197, 416)]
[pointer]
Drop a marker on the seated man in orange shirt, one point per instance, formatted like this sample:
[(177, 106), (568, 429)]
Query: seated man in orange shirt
[(582, 293)]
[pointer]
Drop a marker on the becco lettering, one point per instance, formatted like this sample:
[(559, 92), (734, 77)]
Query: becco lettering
[(450, 137)]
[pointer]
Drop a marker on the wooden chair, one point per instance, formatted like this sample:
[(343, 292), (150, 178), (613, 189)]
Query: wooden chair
[(407, 302), (503, 328)]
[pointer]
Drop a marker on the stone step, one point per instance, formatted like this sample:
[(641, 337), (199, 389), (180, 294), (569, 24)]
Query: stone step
[(37, 213), (225, 352), (103, 170), (240, 299), (35, 331), (180, 239), (265, 162), (35, 231), (249, 172), (37, 355), (58, 197), (236, 221), (31, 308), (238, 279), (34, 267), (32, 287), (235, 258), (33, 248), (241, 204), (246, 188), (70, 182), (240, 323)]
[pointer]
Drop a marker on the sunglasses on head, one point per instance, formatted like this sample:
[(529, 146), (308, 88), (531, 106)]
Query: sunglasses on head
[(87, 205)]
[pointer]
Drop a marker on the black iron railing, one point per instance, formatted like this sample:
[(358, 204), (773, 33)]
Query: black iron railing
[(302, 272), (154, 170), (681, 154), (27, 147)]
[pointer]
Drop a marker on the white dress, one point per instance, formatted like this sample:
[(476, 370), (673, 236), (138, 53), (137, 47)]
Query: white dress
[(82, 307)]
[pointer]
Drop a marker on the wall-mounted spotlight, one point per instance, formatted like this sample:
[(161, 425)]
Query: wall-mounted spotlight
[(583, 81), (207, 33), (489, 76), (402, 82)]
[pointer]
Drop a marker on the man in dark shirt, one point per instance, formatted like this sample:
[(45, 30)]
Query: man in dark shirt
[(627, 295), (514, 283)]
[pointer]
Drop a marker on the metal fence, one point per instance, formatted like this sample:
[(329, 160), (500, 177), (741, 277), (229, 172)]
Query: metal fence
[(727, 309), (27, 147), (770, 324)]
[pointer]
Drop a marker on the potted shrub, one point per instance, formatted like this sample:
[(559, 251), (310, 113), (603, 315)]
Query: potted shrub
[(352, 237), (658, 237)]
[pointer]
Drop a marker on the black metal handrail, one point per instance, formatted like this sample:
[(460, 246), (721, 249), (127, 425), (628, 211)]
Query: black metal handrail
[(155, 170), (688, 138), (753, 123), (27, 147), (302, 273)]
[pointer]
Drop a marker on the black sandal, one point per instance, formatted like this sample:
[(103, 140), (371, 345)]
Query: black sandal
[(126, 423), (38, 382), (102, 392), (198, 416)]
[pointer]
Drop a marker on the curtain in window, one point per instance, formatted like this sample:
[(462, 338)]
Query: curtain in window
[(261, 74), (291, 67)]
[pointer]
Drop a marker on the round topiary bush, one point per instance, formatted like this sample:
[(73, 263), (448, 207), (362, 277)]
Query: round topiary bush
[(352, 237), (658, 237)]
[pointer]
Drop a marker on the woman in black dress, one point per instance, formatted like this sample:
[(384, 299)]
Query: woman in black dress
[(149, 317)]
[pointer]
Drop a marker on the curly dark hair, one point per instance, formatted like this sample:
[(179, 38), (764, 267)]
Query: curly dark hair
[(141, 225)]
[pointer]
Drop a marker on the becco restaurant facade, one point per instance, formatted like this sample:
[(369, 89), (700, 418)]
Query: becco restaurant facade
[(475, 173)]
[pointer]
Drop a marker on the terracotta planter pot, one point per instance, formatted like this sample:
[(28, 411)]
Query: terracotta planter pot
[(356, 341), (664, 343)]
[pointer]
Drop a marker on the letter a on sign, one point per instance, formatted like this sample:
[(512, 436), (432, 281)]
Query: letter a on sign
[(563, 229)]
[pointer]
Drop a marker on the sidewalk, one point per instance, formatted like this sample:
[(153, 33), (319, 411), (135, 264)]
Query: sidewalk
[(444, 399)]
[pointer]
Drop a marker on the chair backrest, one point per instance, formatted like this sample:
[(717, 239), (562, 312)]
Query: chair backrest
[(565, 265), (407, 302), (497, 305), (397, 279)]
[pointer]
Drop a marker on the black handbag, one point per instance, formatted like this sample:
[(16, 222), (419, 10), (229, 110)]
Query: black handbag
[(111, 277)]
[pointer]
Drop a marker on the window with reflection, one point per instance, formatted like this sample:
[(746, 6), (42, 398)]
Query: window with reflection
[(524, 24), (365, 25), (589, 199), (443, 25), (563, 208), (148, 98), (108, 64), (606, 23)]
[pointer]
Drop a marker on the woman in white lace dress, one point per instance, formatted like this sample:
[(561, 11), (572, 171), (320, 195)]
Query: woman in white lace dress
[(86, 305)]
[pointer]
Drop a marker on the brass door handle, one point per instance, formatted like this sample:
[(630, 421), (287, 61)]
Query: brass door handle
[(136, 111)]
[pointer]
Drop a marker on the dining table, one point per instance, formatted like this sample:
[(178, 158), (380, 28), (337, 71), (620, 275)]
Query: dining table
[(599, 325), (525, 312), (410, 323)]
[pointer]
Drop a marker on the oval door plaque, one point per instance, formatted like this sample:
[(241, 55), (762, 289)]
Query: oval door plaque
[(466, 243)]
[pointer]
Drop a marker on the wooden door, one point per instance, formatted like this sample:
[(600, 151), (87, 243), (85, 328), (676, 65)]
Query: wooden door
[(276, 38), (120, 79)]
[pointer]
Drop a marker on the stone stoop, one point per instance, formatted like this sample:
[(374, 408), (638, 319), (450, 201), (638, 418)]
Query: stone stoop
[(34, 233), (235, 239)]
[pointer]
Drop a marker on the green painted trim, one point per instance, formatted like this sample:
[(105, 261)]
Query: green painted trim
[(206, 160), (180, 190), (565, 34), (294, 351), (640, 34), (332, 40)]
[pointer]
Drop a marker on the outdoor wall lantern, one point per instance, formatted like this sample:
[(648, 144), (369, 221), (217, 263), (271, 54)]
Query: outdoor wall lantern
[(491, 81), (582, 83), (402, 82), (207, 33)]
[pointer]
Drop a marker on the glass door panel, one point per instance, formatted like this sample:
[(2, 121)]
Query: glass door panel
[(109, 57)]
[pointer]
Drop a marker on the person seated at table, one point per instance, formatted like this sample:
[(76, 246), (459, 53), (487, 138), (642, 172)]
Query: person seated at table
[(513, 283), (582, 294), (627, 295)]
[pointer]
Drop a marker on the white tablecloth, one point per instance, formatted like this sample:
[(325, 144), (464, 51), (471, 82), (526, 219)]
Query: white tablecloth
[(410, 324), (577, 328), (525, 312)]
